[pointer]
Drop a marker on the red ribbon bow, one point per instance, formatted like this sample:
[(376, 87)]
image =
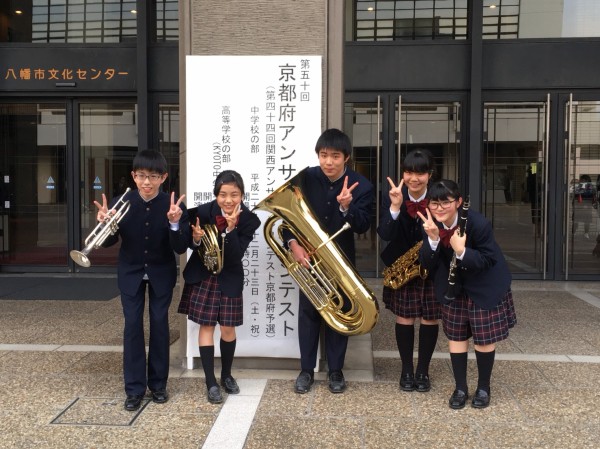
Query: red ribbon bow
[(412, 207), (445, 235), (222, 222)]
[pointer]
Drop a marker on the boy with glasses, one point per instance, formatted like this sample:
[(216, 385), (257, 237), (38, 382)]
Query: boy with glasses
[(483, 305), (148, 234)]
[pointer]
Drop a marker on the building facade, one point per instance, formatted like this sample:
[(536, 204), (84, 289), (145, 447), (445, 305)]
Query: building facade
[(504, 93)]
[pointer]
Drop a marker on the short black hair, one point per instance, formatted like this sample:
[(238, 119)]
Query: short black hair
[(334, 139), (150, 160), (418, 161), (228, 177), (443, 189)]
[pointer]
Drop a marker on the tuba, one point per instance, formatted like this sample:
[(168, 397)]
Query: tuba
[(102, 231), (404, 269), (330, 271), (209, 251)]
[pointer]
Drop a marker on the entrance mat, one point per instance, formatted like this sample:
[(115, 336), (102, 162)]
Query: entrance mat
[(98, 412), (58, 288)]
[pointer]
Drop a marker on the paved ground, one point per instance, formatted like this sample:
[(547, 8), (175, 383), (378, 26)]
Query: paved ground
[(61, 387)]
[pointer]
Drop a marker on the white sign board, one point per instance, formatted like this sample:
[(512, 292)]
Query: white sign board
[(259, 116)]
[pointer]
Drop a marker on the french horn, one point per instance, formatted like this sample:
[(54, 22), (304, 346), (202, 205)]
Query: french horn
[(212, 256), (330, 273), (102, 231)]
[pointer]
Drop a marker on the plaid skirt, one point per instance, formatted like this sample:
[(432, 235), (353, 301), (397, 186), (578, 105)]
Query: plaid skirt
[(462, 318), (413, 300), (204, 304)]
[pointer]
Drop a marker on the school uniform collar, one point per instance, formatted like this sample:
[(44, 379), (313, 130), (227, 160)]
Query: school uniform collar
[(145, 200), (421, 198), (337, 179)]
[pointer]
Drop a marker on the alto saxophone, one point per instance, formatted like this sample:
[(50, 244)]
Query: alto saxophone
[(404, 269)]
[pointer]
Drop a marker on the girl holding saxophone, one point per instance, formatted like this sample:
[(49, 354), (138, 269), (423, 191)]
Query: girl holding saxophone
[(400, 225)]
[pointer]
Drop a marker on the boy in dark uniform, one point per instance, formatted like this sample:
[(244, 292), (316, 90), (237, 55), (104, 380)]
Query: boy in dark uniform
[(146, 261)]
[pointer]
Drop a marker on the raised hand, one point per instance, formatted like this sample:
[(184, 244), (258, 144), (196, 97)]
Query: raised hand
[(175, 211), (431, 229), (233, 217), (396, 197), (345, 196), (197, 231), (103, 213)]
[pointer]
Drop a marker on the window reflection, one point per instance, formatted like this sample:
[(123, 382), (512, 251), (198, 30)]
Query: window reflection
[(168, 143), (167, 20), (378, 20), (74, 21), (514, 19)]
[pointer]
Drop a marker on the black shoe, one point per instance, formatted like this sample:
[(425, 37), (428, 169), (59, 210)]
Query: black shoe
[(214, 395), (160, 396), (407, 382), (458, 399), (481, 399), (303, 382), (133, 402), (422, 383), (337, 383), (230, 385)]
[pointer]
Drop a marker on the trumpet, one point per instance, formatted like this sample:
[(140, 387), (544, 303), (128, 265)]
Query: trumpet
[(102, 231), (209, 251)]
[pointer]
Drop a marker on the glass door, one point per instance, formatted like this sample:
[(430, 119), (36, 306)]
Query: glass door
[(582, 181), (514, 181), (33, 192), (107, 145), (383, 129)]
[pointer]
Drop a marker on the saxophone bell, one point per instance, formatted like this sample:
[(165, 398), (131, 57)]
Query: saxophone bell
[(404, 269)]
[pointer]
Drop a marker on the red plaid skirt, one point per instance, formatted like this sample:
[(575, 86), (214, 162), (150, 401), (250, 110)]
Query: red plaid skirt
[(413, 300), (204, 304), (462, 318)]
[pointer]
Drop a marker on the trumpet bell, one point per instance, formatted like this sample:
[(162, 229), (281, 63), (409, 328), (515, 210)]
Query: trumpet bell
[(80, 259)]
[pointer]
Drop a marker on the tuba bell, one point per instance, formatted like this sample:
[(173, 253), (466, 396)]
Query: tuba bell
[(330, 271), (102, 231), (209, 251)]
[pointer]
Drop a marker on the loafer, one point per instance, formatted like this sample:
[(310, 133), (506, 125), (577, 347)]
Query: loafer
[(458, 399), (337, 383), (303, 382), (160, 396), (407, 382), (230, 385), (133, 402), (481, 399), (214, 395), (422, 383)]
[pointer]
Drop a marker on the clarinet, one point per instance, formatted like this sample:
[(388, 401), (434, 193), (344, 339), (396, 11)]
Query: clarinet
[(452, 273)]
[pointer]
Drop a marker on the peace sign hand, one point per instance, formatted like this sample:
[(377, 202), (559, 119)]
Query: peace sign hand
[(431, 229), (396, 197), (197, 231), (103, 213), (345, 196), (175, 211), (233, 218)]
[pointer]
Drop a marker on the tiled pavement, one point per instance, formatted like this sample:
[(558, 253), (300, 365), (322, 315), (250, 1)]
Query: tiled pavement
[(61, 386)]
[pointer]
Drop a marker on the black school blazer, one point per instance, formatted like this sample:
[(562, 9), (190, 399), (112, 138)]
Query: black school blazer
[(231, 278)]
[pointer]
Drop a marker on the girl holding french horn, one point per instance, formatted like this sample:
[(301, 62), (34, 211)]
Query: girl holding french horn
[(407, 291), (460, 250), (220, 233)]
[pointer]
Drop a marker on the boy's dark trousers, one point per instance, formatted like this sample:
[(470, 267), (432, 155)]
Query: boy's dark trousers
[(134, 348)]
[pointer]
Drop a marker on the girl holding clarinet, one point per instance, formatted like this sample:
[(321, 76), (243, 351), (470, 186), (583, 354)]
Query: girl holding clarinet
[(479, 303)]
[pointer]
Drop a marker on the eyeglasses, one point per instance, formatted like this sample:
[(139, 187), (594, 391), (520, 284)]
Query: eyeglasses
[(440, 205), (143, 176)]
